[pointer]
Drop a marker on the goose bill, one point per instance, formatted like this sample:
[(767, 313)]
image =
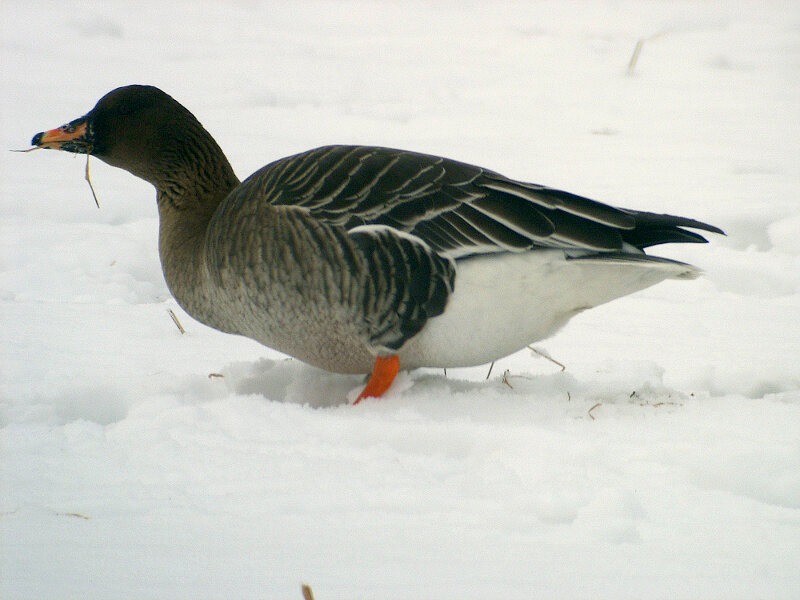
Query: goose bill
[(70, 137)]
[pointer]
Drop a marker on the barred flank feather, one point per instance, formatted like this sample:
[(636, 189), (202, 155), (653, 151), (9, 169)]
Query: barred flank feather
[(409, 284)]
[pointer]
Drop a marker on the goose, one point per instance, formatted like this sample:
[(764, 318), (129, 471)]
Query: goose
[(362, 259)]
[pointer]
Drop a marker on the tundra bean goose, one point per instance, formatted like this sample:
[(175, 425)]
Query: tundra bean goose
[(362, 259)]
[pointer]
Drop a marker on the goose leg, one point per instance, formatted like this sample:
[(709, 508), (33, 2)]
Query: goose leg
[(383, 373)]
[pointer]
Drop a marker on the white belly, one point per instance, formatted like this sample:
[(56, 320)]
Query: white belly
[(503, 303)]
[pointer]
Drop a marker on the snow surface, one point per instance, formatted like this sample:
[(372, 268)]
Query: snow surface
[(664, 462)]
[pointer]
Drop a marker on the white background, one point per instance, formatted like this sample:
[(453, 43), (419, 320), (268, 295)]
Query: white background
[(664, 462)]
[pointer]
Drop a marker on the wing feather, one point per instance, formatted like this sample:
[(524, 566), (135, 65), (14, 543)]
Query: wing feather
[(456, 208)]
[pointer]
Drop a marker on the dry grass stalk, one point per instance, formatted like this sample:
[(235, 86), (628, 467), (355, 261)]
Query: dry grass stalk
[(506, 375), (635, 57), (591, 409), (89, 181), (175, 320), (491, 366), (75, 515), (544, 354), (307, 593)]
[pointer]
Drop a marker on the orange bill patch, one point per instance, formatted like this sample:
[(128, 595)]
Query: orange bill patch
[(70, 137)]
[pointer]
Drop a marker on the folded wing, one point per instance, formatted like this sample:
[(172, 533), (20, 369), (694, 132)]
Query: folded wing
[(457, 209)]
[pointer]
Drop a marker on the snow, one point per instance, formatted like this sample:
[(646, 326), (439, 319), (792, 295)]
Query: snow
[(664, 461)]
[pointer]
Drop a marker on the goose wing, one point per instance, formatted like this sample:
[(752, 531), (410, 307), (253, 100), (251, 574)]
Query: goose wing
[(455, 208)]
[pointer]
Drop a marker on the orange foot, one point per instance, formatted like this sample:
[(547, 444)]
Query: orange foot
[(383, 373)]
